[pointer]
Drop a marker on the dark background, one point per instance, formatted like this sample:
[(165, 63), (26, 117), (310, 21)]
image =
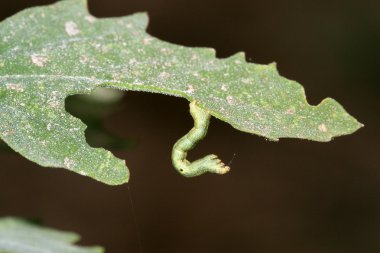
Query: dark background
[(293, 196)]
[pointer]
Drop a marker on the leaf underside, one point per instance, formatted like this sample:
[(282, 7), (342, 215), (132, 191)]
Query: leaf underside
[(19, 236), (48, 53)]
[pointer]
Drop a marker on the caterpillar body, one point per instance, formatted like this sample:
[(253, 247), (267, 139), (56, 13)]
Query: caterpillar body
[(210, 163)]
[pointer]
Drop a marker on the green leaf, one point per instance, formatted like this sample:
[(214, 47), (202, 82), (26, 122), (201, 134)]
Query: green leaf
[(19, 236), (49, 53)]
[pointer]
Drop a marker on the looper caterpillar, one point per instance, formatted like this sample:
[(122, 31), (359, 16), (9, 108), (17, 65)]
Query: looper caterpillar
[(209, 163)]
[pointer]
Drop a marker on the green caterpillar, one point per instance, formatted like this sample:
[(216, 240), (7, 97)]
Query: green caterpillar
[(209, 163)]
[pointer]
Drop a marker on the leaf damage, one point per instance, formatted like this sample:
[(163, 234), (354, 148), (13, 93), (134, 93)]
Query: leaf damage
[(48, 53)]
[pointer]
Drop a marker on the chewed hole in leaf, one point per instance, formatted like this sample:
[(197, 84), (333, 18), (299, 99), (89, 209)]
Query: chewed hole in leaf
[(93, 109)]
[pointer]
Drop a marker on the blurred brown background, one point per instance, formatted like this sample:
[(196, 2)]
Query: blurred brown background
[(288, 197)]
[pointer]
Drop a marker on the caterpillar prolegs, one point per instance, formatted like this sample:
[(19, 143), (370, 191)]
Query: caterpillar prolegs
[(209, 163)]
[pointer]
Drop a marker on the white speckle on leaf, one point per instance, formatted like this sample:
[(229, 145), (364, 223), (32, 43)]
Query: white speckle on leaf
[(258, 115), (194, 57), (15, 87), (68, 163), (246, 80), (322, 127), (83, 173), (165, 51), (116, 76), (190, 89), (290, 111), (147, 41), (63, 46), (163, 75), (83, 59), (6, 133), (105, 48), (230, 99), (96, 45), (71, 28), (224, 87), (48, 127), (39, 60), (237, 61), (53, 103), (53, 100), (90, 19)]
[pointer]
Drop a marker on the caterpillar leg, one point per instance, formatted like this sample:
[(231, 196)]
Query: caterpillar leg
[(209, 163)]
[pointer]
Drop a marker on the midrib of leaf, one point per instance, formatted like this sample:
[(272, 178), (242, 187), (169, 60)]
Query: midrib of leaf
[(51, 45), (56, 77)]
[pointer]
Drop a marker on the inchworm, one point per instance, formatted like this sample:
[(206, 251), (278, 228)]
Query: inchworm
[(209, 163)]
